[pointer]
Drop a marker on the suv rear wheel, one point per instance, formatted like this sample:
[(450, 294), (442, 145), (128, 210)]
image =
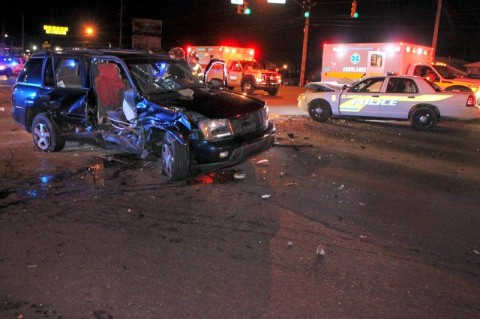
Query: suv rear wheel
[(45, 135)]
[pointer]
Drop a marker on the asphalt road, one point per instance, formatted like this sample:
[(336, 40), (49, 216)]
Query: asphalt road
[(343, 219)]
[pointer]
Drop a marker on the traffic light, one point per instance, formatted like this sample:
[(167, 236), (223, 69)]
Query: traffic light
[(306, 13), (353, 12), (244, 8)]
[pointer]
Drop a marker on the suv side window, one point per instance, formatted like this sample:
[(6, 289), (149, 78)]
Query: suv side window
[(67, 73), (32, 72), (49, 76)]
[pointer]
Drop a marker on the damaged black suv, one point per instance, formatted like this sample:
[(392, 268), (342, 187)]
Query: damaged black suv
[(141, 103)]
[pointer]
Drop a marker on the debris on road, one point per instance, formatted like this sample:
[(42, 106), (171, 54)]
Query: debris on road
[(265, 196), (239, 176), (320, 251), (263, 162)]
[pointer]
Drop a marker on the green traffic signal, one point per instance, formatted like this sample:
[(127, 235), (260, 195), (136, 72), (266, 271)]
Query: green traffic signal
[(355, 15), (306, 14), (247, 11)]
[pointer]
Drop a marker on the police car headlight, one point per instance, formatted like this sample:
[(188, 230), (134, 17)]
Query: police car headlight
[(215, 129), (302, 97)]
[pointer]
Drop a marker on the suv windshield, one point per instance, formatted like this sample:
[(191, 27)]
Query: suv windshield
[(156, 75)]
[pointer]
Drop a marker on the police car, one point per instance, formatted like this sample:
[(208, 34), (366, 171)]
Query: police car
[(11, 66), (388, 97)]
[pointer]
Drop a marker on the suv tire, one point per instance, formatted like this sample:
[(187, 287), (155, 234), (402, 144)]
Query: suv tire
[(46, 137), (174, 158)]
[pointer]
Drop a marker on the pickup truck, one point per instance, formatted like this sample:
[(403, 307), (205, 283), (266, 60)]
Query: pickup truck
[(445, 78)]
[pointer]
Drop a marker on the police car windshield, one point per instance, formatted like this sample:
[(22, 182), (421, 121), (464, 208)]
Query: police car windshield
[(161, 75)]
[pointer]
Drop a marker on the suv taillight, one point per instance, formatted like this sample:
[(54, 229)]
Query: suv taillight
[(471, 100)]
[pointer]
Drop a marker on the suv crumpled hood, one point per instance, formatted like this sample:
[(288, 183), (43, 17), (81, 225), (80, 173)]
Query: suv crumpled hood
[(218, 103)]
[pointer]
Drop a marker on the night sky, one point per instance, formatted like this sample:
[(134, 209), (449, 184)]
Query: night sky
[(274, 30)]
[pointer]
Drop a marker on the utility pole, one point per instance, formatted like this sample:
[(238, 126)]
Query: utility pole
[(23, 35), (121, 23), (306, 9), (435, 31)]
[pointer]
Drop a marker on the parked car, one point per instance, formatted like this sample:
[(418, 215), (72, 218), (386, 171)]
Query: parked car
[(142, 103), (11, 66), (389, 97)]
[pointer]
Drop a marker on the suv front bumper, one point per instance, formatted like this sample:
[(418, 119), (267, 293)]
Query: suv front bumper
[(211, 156)]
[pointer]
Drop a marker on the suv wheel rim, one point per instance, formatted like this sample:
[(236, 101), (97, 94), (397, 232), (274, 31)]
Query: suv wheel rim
[(42, 136), (167, 159)]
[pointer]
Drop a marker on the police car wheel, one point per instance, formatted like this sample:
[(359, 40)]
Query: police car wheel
[(319, 110), (423, 119)]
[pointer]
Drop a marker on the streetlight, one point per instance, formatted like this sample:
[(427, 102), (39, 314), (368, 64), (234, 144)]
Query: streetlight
[(89, 31)]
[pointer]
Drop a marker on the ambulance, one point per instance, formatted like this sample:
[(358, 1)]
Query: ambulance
[(346, 63), (243, 71)]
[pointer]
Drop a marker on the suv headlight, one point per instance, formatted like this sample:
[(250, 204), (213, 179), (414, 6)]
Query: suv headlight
[(215, 129)]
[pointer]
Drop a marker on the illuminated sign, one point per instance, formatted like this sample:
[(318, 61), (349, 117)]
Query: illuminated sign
[(53, 29)]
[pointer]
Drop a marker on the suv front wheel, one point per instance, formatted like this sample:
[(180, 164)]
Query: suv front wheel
[(175, 158), (45, 135)]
